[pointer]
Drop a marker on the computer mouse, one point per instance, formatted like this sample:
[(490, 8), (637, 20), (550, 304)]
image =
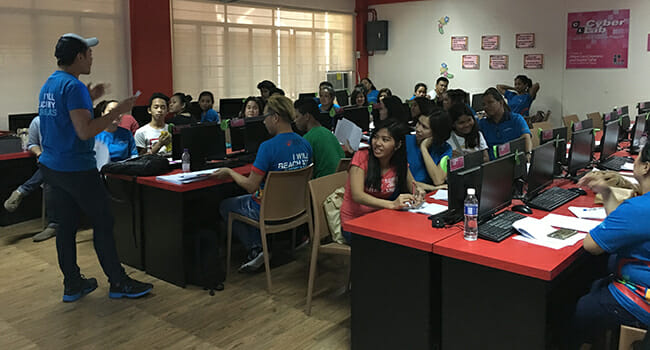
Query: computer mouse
[(438, 222), (521, 208), (578, 190)]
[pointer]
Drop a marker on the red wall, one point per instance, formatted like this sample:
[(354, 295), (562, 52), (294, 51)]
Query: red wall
[(151, 47), (361, 10)]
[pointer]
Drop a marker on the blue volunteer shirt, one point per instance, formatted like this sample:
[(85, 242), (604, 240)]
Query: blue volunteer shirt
[(416, 162), (209, 116), (511, 127), (620, 234), (63, 150), (372, 96), (519, 104), (120, 143), (286, 151)]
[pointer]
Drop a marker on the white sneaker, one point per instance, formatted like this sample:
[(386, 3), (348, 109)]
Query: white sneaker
[(254, 264), (14, 200)]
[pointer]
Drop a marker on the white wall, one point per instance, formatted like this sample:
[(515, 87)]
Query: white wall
[(416, 50)]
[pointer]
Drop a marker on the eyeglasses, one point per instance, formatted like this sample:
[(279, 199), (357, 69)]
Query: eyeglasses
[(268, 114)]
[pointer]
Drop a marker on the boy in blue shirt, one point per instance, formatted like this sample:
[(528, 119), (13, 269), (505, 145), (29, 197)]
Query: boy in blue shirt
[(286, 150), (120, 141), (69, 167)]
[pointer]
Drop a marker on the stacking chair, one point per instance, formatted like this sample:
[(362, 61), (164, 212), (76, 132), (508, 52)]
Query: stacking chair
[(285, 205), (597, 118), (537, 128), (320, 189), (344, 164)]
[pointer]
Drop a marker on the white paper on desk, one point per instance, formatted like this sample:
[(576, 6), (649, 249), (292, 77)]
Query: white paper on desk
[(429, 209), (563, 221), (347, 131), (442, 195), (628, 166), (186, 178), (589, 213), (553, 243), (532, 228)]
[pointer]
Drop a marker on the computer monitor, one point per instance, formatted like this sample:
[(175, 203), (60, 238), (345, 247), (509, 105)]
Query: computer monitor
[(624, 126), (608, 117), (141, 115), (621, 111), (466, 161), (237, 130), (342, 97), (517, 146), (359, 116), (20, 121), (496, 186), (643, 107), (583, 124), (230, 107), (205, 141), (254, 134), (477, 102), (306, 95), (637, 132), (558, 136), (541, 169), (325, 120), (609, 141), (457, 184), (581, 151)]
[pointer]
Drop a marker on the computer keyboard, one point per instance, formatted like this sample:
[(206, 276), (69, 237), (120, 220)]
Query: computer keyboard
[(613, 163), (230, 163), (499, 227), (552, 198)]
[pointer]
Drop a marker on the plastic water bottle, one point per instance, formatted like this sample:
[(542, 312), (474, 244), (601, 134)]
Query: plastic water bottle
[(186, 160), (471, 215)]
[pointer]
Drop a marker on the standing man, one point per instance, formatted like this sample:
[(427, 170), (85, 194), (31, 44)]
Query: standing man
[(68, 163), (441, 87)]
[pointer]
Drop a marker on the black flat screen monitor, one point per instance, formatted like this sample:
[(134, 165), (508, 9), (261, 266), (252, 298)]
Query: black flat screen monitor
[(141, 115), (608, 117), (20, 121), (237, 138), (609, 140), (477, 102), (517, 146), (342, 97), (466, 161), (621, 111), (637, 132), (583, 124), (582, 143), (541, 169), (325, 120), (306, 95), (624, 127), (230, 107), (204, 141), (558, 136), (254, 134), (496, 186), (643, 107), (359, 116), (457, 183)]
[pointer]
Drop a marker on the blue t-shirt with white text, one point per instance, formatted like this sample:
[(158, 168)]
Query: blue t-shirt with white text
[(121, 144), (63, 150), (286, 151)]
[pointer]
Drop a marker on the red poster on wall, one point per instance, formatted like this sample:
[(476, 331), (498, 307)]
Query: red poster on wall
[(598, 39)]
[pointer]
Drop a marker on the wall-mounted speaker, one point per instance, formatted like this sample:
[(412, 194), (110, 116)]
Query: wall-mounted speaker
[(377, 36)]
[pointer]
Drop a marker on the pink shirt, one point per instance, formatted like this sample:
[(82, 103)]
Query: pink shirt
[(351, 209), (129, 123)]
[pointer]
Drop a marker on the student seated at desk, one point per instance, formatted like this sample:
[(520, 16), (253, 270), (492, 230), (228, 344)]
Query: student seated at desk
[(325, 146), (502, 125), (120, 142), (454, 97), (265, 87), (326, 96), (206, 101), (385, 92), (179, 105), (624, 296), (419, 106), (428, 151), (358, 98), (390, 109), (284, 148), (253, 106), (521, 96), (371, 91), (442, 84), (153, 137), (420, 90), (379, 176), (465, 136)]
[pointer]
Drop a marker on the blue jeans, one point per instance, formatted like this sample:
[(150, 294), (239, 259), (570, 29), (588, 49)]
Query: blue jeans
[(31, 185), (597, 312), (243, 205), (72, 192)]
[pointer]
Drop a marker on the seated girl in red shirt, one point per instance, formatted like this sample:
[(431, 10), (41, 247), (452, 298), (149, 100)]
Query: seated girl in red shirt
[(379, 176)]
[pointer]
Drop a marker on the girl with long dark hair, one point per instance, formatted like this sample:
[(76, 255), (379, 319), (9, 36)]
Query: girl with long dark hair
[(465, 136), (428, 151), (520, 96)]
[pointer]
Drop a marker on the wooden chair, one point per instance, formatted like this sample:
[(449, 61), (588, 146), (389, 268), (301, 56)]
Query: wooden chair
[(630, 335), (321, 188), (537, 128), (344, 164), (597, 118), (285, 205)]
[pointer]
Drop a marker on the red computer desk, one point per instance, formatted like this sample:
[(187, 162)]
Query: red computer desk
[(16, 168), (459, 294), (153, 229)]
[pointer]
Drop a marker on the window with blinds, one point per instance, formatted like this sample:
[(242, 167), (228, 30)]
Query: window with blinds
[(228, 49)]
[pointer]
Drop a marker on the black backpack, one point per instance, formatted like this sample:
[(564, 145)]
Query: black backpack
[(208, 270), (146, 165)]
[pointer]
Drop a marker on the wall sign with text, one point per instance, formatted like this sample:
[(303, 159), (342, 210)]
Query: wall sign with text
[(490, 42), (534, 61), (525, 40), (471, 62), (459, 43), (499, 62), (598, 39)]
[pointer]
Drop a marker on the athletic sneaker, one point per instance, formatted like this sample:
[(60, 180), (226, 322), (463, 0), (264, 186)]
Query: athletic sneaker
[(76, 290), (255, 264), (46, 234), (129, 288), (12, 203)]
